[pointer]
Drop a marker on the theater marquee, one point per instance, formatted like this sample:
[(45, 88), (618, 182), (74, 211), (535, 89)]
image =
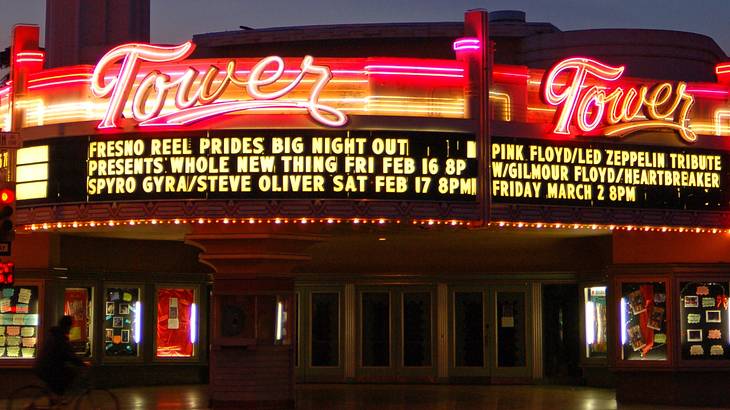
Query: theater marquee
[(375, 136), (381, 165)]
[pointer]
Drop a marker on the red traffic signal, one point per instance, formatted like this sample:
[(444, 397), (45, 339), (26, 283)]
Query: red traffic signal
[(7, 196), (7, 209), (7, 273)]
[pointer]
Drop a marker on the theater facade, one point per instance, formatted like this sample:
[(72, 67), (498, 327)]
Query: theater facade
[(492, 201)]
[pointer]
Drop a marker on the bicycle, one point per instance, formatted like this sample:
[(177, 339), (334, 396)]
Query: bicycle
[(84, 397)]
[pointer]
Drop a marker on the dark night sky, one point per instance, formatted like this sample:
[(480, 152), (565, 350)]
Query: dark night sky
[(177, 20)]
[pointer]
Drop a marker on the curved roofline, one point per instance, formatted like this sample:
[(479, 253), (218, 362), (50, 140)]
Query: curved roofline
[(709, 40), (331, 27)]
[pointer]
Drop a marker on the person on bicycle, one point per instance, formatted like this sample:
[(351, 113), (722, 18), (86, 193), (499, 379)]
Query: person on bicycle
[(56, 359)]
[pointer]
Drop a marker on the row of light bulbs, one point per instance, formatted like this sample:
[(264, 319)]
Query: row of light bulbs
[(364, 221)]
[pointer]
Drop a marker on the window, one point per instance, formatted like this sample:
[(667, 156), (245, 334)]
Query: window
[(122, 322), (78, 303), (704, 322), (325, 329), (643, 316), (595, 322), (468, 329), (177, 322), (417, 329), (376, 329), (511, 351), (18, 322)]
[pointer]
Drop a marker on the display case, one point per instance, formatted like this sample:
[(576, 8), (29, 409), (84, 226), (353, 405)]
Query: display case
[(704, 328), (644, 325), (20, 333), (122, 321), (177, 319), (78, 303), (596, 322)]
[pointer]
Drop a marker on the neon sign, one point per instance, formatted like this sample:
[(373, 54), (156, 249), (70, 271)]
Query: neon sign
[(195, 99), (616, 108)]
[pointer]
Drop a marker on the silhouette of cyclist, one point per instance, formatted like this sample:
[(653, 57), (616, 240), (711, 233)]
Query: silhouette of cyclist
[(56, 359)]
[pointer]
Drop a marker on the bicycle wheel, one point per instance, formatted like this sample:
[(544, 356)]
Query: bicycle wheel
[(97, 399), (29, 398)]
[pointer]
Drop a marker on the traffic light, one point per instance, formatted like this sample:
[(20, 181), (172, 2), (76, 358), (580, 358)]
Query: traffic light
[(7, 273), (7, 211)]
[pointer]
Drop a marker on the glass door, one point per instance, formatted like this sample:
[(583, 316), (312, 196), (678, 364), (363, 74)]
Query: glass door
[(511, 335), (469, 327)]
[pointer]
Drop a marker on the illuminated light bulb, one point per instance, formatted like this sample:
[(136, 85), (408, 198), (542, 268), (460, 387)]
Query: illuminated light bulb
[(304, 220), (430, 221), (177, 222), (33, 227), (558, 225), (277, 221), (92, 224), (153, 222), (356, 221), (251, 220), (520, 225), (225, 220), (59, 225), (132, 222), (75, 224), (538, 226), (200, 221), (329, 221), (664, 228), (111, 223), (576, 226), (612, 227), (594, 227), (501, 224)]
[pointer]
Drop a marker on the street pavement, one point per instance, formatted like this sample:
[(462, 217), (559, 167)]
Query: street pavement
[(397, 397)]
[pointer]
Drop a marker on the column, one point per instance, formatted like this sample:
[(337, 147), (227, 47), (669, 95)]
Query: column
[(252, 311)]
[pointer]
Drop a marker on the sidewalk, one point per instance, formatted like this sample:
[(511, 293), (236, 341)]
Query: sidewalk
[(397, 397)]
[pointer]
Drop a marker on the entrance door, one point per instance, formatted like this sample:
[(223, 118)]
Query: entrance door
[(469, 327), (511, 334), (491, 328), (396, 334)]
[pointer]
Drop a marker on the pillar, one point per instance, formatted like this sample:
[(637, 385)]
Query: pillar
[(252, 310)]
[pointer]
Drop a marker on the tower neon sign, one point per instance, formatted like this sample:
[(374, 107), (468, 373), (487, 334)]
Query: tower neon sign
[(197, 99), (613, 110)]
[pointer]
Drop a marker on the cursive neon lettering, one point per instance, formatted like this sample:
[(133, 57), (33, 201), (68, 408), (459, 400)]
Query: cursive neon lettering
[(199, 99), (663, 105)]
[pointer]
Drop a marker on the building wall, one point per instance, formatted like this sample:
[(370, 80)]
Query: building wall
[(81, 31)]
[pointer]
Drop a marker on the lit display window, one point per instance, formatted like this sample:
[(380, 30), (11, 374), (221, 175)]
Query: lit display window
[(122, 322), (177, 322), (78, 303), (704, 321), (282, 330), (18, 322), (595, 317), (643, 321)]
